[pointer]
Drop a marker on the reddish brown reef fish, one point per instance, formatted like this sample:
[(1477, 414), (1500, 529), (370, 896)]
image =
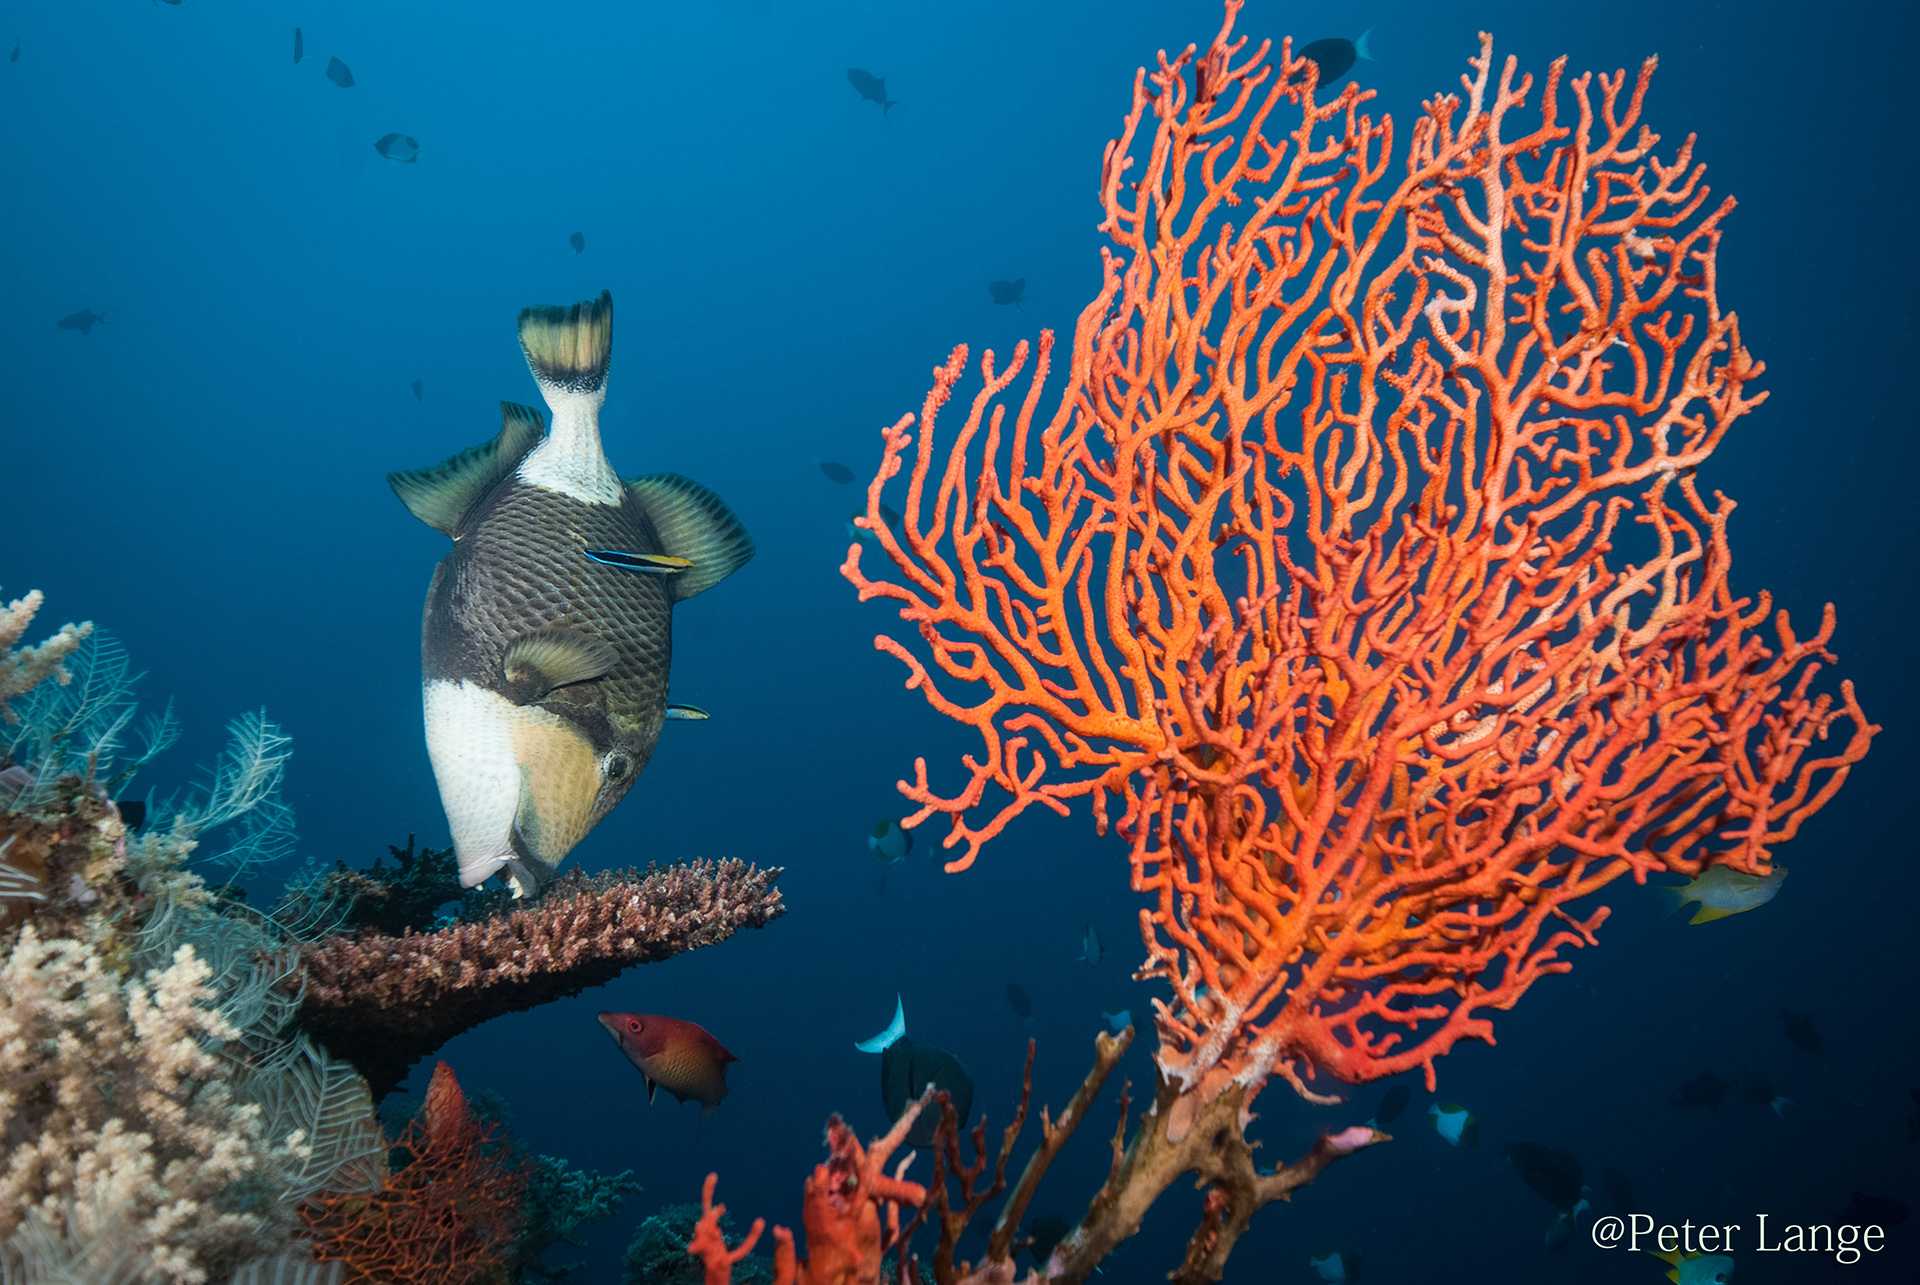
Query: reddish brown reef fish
[(677, 1056)]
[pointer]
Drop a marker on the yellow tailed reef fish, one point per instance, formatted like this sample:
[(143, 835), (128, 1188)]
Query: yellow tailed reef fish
[(1723, 891), (547, 635), (1697, 1268)]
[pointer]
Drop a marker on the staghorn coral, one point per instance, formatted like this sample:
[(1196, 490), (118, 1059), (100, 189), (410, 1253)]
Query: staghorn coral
[(385, 1002), (24, 668), (160, 1117), (448, 1215), (121, 1131)]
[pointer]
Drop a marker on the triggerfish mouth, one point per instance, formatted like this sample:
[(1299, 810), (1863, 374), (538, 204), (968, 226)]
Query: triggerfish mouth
[(547, 635)]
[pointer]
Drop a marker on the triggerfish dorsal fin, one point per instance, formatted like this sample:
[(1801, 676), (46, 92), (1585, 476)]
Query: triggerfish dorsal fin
[(441, 494), (568, 347), (693, 523), (544, 659), (889, 1037)]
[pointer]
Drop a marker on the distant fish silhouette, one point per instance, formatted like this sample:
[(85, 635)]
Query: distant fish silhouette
[(1552, 1172), (1013, 292), (836, 472), (1335, 56), (15, 55), (1045, 1232), (579, 242), (1703, 1090), (299, 45), (1801, 1031), (418, 389), (1877, 1211), (1392, 1103), (401, 149), (1017, 997), (337, 71), (84, 321), (1619, 1189), (873, 89)]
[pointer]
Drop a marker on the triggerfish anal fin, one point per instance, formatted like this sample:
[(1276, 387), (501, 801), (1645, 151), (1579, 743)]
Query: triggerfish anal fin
[(441, 494), (887, 1038), (544, 659), (695, 524), (653, 564)]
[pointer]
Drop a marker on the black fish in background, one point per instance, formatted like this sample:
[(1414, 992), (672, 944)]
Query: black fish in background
[(15, 55), (1392, 1103), (1553, 1173), (1045, 1232), (84, 321), (1704, 1090), (873, 89), (1875, 1211), (579, 242), (419, 390), (1005, 292), (1803, 1034), (836, 472), (1757, 1088), (337, 72), (299, 45), (1017, 996), (906, 1068), (1335, 56), (398, 148), (1619, 1191)]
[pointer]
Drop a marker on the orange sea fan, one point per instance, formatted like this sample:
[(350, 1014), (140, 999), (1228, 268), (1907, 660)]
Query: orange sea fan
[(447, 1216)]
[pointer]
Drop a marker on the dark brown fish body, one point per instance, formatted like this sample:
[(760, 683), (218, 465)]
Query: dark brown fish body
[(871, 88), (547, 638), (677, 1056), (84, 321)]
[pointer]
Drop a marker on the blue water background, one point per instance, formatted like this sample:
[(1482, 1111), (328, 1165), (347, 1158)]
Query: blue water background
[(203, 475)]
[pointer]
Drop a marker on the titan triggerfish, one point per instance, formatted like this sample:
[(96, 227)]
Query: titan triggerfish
[(547, 634)]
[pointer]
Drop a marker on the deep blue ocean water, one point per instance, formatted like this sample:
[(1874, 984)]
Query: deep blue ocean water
[(203, 475)]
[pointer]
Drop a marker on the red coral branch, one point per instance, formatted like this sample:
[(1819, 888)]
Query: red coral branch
[(448, 1216), (841, 1208), (1364, 559)]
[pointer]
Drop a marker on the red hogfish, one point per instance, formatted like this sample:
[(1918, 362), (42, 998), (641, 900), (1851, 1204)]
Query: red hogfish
[(677, 1056)]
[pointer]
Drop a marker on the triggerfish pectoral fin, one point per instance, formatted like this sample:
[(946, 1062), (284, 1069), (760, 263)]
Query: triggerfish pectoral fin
[(887, 1038)]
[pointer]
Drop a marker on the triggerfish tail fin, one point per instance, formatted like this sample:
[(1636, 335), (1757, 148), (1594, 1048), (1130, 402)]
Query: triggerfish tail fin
[(695, 524), (889, 1037), (441, 494), (568, 348), (1360, 45)]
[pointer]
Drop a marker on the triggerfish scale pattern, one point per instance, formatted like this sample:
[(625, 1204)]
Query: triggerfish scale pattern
[(677, 1056)]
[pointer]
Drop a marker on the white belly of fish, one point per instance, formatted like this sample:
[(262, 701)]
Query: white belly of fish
[(470, 740)]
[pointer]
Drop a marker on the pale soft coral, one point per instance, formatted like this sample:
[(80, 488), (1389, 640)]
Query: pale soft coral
[(122, 1140), (24, 668)]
